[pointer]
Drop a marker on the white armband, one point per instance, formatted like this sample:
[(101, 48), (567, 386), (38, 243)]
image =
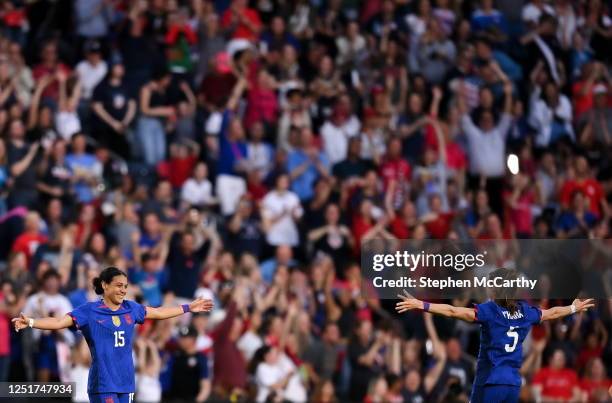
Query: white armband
[(573, 308), (31, 322)]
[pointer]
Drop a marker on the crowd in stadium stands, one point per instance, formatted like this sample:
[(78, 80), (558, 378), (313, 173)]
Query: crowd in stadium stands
[(242, 151)]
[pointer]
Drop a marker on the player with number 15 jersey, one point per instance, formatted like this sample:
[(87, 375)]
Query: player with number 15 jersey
[(108, 327), (109, 336)]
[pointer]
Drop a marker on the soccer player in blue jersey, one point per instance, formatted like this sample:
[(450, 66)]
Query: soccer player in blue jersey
[(108, 327), (504, 324)]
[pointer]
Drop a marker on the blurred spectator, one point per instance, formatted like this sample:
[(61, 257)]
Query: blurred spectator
[(583, 181), (337, 131), (92, 70), (197, 190), (113, 111), (306, 165), (31, 238), (21, 166), (93, 18), (556, 381), (86, 170), (241, 22), (281, 209), (190, 378), (156, 112), (48, 302), (595, 383)]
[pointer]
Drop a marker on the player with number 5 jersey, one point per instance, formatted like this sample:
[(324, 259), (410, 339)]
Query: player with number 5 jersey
[(504, 325), (108, 327)]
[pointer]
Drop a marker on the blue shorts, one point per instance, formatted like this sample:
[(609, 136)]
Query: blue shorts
[(111, 397), (495, 394)]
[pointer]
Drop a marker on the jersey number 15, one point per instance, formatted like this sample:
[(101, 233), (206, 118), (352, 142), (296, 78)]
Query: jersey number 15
[(119, 339)]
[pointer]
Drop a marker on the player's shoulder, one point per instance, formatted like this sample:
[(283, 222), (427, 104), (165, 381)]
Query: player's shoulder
[(130, 304), (87, 306), (486, 311), (533, 312), (488, 305)]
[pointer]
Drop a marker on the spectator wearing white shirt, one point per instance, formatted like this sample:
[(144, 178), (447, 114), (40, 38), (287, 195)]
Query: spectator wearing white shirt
[(197, 190), (281, 209), (373, 141), (92, 70), (48, 302), (251, 341), (277, 378), (551, 115), (351, 46), (259, 153), (532, 12), (337, 131), (79, 371), (487, 148)]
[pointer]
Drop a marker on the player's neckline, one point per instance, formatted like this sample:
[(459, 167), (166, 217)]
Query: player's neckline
[(107, 307)]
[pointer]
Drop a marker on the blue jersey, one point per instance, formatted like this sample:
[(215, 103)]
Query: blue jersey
[(501, 342), (109, 335)]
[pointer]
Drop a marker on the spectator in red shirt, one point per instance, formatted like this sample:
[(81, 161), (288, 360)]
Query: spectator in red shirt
[(183, 158), (31, 238), (402, 224), (241, 22), (396, 173), (520, 200), (229, 365), (437, 222), (50, 66), (556, 382), (262, 101), (589, 186), (86, 225), (582, 90), (595, 384), (594, 344)]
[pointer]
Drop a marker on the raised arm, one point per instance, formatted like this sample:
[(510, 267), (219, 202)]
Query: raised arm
[(562, 311), (24, 321), (408, 302), (238, 90), (191, 98), (198, 305)]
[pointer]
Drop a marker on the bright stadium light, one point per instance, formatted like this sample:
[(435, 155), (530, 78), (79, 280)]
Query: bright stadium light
[(513, 164)]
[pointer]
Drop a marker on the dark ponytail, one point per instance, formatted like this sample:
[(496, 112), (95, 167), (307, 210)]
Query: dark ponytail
[(258, 358), (506, 297), (106, 276)]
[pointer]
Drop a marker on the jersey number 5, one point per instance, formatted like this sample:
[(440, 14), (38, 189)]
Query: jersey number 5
[(119, 339), (514, 336)]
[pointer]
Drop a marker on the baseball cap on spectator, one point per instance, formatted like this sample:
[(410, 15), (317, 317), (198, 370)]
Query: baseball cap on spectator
[(600, 89), (188, 331), (238, 45), (93, 46)]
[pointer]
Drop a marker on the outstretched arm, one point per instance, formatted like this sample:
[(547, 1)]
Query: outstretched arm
[(408, 302), (198, 305), (562, 311), (24, 321)]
